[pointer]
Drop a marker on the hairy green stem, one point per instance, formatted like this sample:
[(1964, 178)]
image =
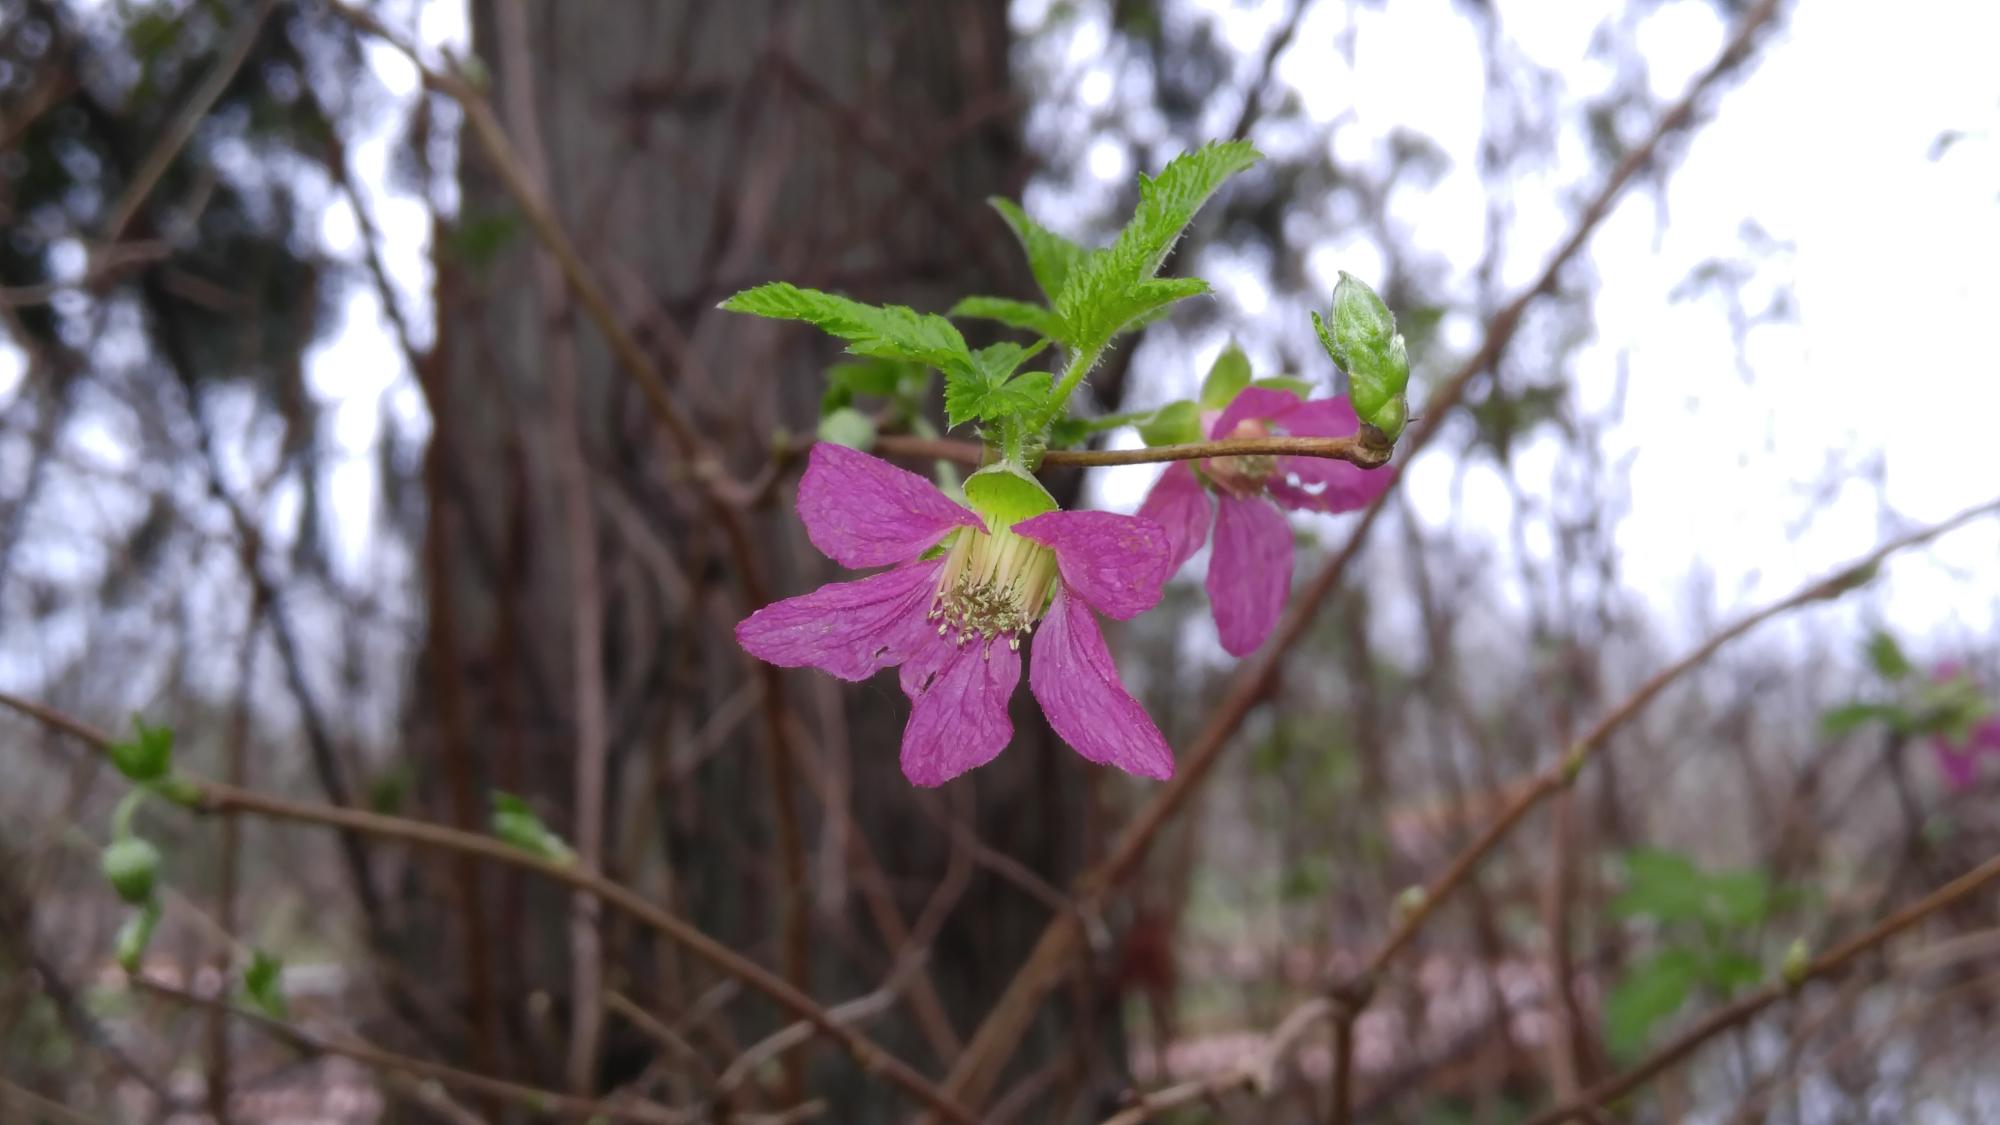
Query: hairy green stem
[(1079, 366)]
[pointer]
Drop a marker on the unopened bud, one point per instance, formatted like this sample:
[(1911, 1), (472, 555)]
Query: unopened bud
[(131, 865), (1360, 335), (1797, 962)]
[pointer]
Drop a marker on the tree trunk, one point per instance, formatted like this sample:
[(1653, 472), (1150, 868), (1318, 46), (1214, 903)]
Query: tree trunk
[(692, 150)]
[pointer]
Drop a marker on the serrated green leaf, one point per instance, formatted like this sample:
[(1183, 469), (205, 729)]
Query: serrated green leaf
[(1226, 379), (849, 427), (1887, 657), (263, 982), (1051, 257), (1014, 314), (886, 331), (1176, 423), (991, 391), (1650, 991), (1108, 289), (1168, 201)]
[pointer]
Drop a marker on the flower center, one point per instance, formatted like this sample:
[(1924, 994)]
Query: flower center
[(992, 586), (1242, 476)]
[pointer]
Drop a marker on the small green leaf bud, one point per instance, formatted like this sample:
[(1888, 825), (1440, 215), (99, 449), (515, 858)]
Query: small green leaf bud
[(148, 756), (517, 824), (264, 982), (131, 865), (1176, 423), (1411, 900), (1797, 962), (1360, 335), (849, 427)]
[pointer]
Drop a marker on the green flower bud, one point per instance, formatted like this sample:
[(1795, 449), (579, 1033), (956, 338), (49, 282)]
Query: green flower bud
[(148, 756), (131, 866), (1361, 337), (1797, 962)]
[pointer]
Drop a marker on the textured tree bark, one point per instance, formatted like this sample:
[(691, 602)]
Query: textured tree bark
[(691, 150)]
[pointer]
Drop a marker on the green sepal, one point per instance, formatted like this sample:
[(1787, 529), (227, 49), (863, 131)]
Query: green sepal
[(131, 865), (1005, 493), (1360, 336), (1176, 423), (135, 935), (148, 755), (849, 427), (1299, 388), (1226, 379)]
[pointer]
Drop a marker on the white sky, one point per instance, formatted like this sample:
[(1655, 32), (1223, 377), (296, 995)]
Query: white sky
[(1826, 146)]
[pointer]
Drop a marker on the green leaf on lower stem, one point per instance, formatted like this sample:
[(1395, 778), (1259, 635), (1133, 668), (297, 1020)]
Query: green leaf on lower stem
[(1176, 423), (263, 982)]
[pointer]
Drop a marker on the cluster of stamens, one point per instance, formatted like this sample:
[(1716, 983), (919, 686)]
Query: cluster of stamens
[(992, 586), (1244, 475)]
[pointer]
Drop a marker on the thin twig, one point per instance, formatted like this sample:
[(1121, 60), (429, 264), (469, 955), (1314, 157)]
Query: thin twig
[(994, 1042), (1258, 1072), (216, 798), (1737, 1013), (1368, 449)]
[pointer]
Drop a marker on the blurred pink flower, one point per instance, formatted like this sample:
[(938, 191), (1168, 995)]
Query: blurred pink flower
[(1250, 572), (954, 621), (1958, 758)]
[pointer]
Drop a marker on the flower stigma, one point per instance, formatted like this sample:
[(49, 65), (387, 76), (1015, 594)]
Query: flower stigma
[(992, 585)]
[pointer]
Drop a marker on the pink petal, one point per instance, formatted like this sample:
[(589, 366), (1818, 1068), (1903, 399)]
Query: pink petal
[(1960, 767), (847, 629), (1320, 417), (861, 511), (1115, 563), (1249, 573), (1179, 504), (1258, 403), (1077, 685), (1321, 484), (958, 708)]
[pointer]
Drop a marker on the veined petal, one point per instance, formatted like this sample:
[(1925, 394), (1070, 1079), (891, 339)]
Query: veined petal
[(847, 629), (958, 708), (1180, 505), (1322, 484), (861, 511), (1253, 403), (1319, 417), (1249, 572), (1077, 685), (1115, 563)]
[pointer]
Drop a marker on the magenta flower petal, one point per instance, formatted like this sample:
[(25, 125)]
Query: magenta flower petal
[(1959, 767), (1320, 417), (1253, 403), (958, 708), (847, 629), (1321, 484), (861, 511), (1179, 504), (1116, 564), (1077, 685), (1249, 573)]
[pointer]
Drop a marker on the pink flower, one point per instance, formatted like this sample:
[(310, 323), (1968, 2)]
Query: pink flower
[(1250, 572), (954, 618), (1958, 758)]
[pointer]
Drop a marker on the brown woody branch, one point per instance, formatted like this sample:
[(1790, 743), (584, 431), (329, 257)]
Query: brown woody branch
[(1368, 449), (216, 798)]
